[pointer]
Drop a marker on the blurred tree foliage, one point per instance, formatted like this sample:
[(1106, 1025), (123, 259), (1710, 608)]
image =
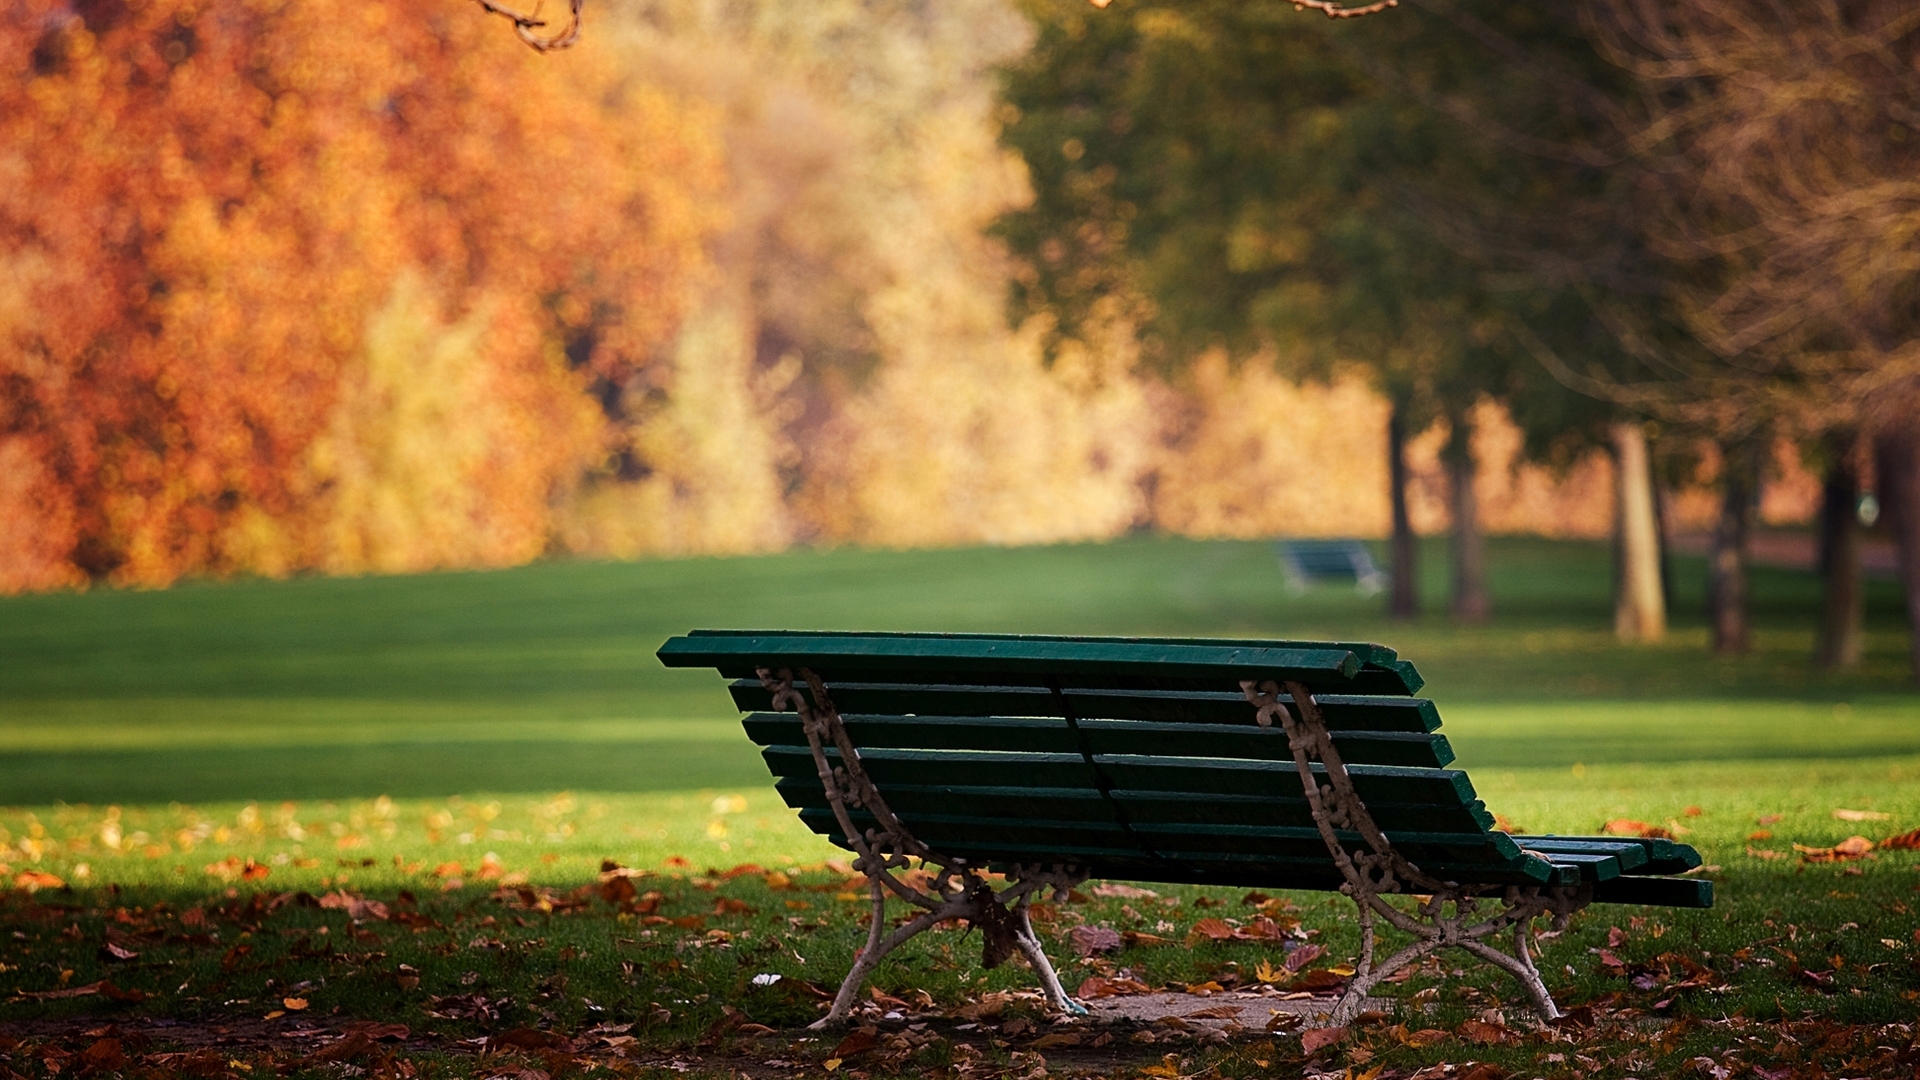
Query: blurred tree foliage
[(1698, 212), (296, 285), (1316, 195)]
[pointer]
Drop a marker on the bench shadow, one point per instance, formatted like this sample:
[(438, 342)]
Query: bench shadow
[(398, 769)]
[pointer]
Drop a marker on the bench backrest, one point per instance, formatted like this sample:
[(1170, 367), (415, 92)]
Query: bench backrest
[(1138, 758)]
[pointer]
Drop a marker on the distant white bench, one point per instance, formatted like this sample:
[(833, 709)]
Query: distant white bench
[(1308, 562)]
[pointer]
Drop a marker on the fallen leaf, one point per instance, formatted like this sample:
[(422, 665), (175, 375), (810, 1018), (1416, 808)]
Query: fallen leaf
[(858, 1041), (1094, 940), (293, 1004), (1766, 819), (104, 1055), (1055, 1040), (1210, 929), (111, 953), (1283, 1021), (35, 880), (1630, 827), (1217, 1012), (1760, 834), (1853, 847), (1861, 815), (1100, 986), (1426, 1037), (1318, 981), (1906, 841), (1481, 1032), (1116, 890), (349, 1046), (1313, 1040), (1304, 955), (1616, 937)]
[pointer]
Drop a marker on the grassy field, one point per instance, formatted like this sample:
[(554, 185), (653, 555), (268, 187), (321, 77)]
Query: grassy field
[(386, 734)]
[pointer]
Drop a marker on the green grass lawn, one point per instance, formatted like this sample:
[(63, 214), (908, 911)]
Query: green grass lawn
[(359, 734)]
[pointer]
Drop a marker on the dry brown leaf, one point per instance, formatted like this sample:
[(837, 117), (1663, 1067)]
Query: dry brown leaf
[(1482, 1032), (1116, 890), (1853, 847), (1313, 1040), (1055, 1040), (1906, 841), (1210, 929), (858, 1041), (1861, 815), (1100, 986), (1630, 827)]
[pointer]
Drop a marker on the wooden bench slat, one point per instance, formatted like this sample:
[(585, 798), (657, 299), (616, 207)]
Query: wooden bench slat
[(1367, 652), (1175, 807), (1300, 866), (1202, 776), (1065, 804), (1528, 872), (1593, 866), (1017, 661), (954, 833), (1172, 808), (1630, 857), (1102, 737), (1664, 856), (1342, 712), (1656, 891)]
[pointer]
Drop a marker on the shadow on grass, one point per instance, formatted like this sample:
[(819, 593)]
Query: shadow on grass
[(398, 769)]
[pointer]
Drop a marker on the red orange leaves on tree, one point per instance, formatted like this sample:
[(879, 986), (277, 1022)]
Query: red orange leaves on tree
[(214, 210)]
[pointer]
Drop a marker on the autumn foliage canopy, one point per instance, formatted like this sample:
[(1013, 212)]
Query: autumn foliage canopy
[(290, 284)]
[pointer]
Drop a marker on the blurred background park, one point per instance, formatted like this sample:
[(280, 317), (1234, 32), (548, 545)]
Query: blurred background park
[(379, 392)]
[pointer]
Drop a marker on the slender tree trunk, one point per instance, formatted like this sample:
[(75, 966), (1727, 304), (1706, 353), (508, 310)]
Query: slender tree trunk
[(1666, 549), (1468, 550), (1897, 467), (1838, 645), (1727, 597), (1404, 601), (1640, 611)]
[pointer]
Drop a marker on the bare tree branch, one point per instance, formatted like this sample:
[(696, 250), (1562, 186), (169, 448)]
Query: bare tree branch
[(527, 25)]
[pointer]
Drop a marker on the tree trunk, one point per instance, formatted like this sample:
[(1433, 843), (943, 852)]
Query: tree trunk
[(1897, 465), (1838, 645), (1640, 611), (1660, 526), (1727, 572), (1404, 601), (1468, 549)]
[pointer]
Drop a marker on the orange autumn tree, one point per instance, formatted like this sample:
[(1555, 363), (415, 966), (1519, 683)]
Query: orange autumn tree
[(292, 284)]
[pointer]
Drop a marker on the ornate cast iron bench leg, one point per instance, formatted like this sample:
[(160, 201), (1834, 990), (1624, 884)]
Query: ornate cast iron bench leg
[(1380, 870), (957, 890)]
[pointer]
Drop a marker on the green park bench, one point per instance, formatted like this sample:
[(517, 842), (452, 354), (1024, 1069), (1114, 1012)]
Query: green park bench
[(1039, 762), (1308, 562)]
